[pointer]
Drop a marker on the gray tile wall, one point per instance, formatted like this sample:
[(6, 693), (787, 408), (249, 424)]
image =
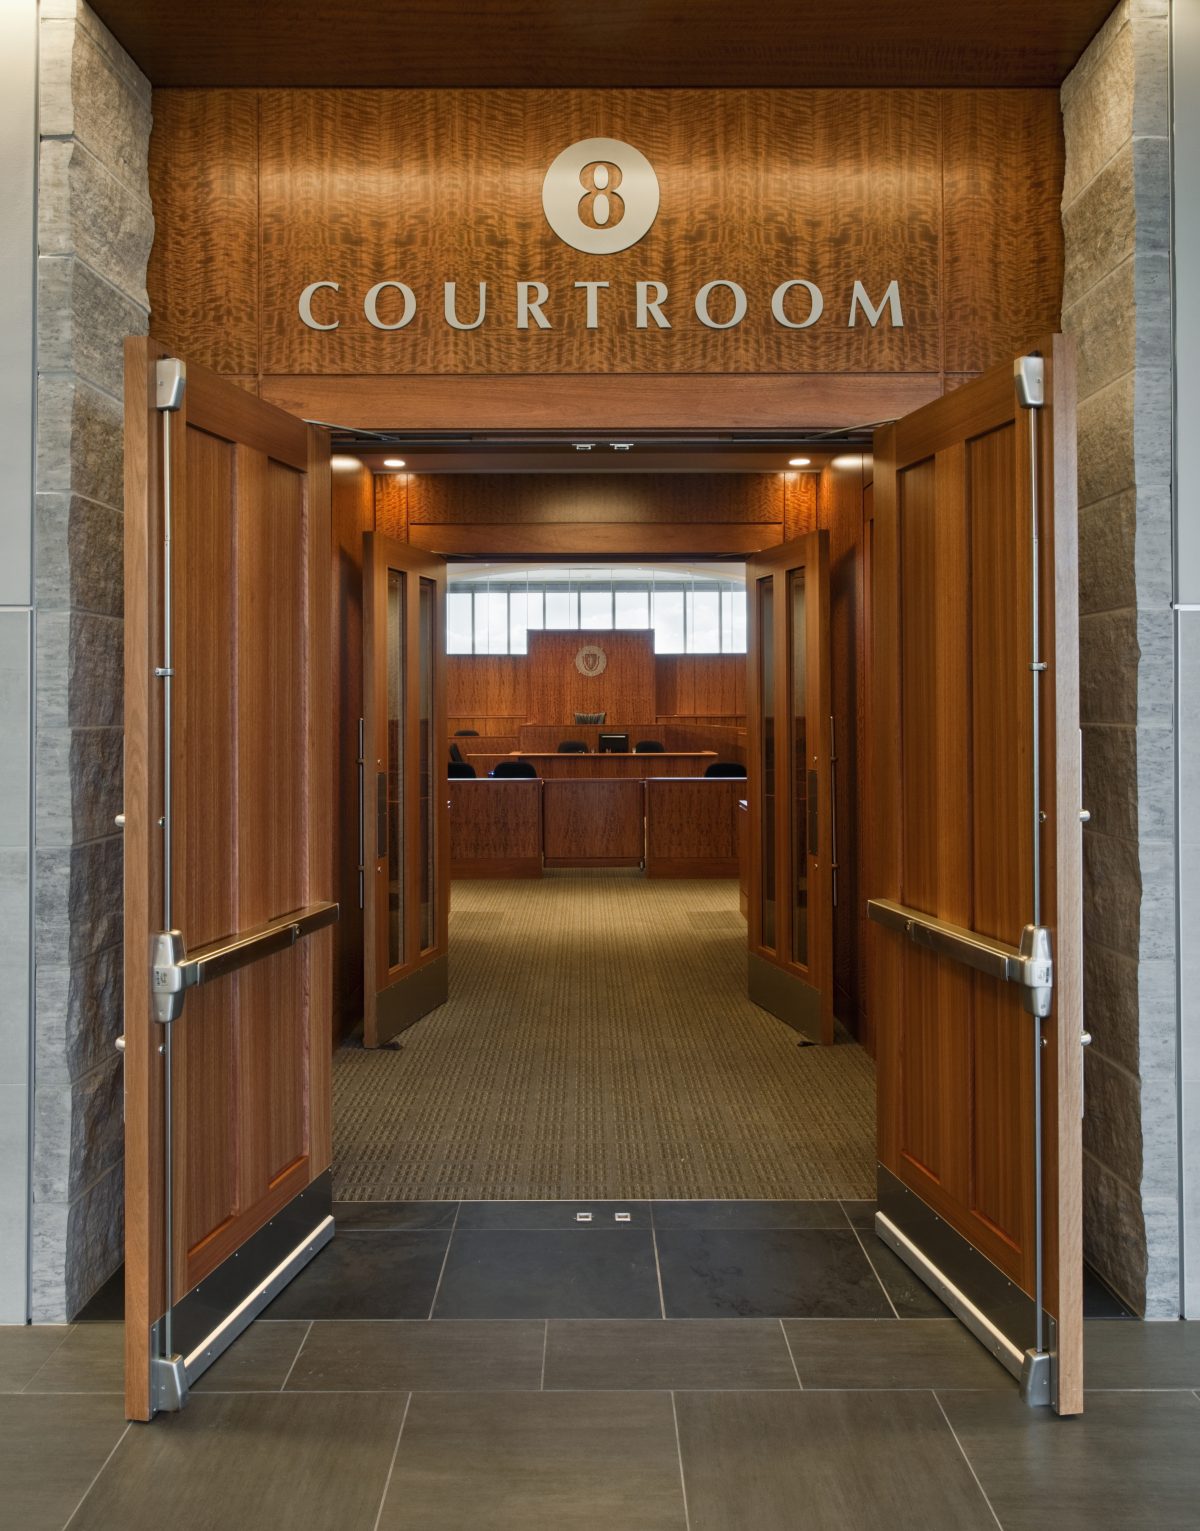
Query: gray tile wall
[(95, 229), (1116, 303)]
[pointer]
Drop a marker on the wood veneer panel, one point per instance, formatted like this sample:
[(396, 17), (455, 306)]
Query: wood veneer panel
[(557, 690), (728, 161), (598, 402), (203, 273), (495, 828), (593, 822), (392, 493), (591, 540), (1002, 172), (626, 43), (691, 829), (480, 499), (481, 688), (800, 505)]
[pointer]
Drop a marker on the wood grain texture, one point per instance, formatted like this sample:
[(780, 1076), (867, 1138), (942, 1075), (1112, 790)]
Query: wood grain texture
[(626, 43), (490, 689), (593, 822), (557, 690), (336, 161), (700, 685), (951, 759), (392, 505), (691, 829), (800, 504), (600, 402), (203, 272), (596, 539), (440, 499), (727, 165), (495, 828), (552, 766), (1003, 262)]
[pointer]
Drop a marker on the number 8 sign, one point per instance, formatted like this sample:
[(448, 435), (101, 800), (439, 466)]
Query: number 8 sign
[(600, 195)]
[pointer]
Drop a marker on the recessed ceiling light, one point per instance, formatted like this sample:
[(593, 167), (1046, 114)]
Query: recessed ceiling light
[(393, 462), (799, 462), (344, 462), (621, 446), (584, 446)]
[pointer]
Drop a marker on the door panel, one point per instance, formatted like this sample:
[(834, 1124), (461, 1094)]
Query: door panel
[(227, 841), (975, 833), (407, 899), (790, 916)]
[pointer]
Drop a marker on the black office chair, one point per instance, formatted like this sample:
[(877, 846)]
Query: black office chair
[(456, 755), (572, 747), (648, 747), (466, 733), (511, 768), (725, 768), (460, 770)]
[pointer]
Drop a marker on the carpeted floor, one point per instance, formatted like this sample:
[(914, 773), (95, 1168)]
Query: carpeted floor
[(598, 1044)]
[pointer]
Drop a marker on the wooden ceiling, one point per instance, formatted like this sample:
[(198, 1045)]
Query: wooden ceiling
[(611, 44)]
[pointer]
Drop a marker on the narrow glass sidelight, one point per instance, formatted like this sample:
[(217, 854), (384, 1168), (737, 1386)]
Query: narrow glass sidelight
[(391, 779), (766, 691), (803, 781), (429, 761)]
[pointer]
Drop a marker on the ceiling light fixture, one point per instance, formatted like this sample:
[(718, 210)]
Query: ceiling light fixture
[(393, 462), (340, 461), (799, 462), (621, 446), (584, 446)]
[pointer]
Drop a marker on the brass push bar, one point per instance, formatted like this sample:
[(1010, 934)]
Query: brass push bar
[(1030, 965), (173, 971)]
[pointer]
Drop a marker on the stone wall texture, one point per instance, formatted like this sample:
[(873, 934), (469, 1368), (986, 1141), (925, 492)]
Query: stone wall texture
[(1117, 305), (95, 228)]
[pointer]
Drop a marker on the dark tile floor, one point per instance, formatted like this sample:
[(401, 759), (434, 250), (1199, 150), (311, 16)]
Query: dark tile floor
[(697, 1366)]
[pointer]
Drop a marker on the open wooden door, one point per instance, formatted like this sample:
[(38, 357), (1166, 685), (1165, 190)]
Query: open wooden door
[(790, 916), (406, 858), (974, 879), (228, 864)]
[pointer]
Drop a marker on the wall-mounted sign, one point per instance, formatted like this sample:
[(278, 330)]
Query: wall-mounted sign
[(374, 232)]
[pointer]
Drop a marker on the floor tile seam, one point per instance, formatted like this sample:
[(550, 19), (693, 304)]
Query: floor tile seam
[(70, 1330), (445, 1259), (791, 1355), (296, 1357), (963, 1452), (867, 1256), (98, 1474), (387, 1482), (687, 1520), (662, 1301)]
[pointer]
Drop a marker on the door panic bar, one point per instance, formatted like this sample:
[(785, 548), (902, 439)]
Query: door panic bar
[(173, 972), (1029, 965)]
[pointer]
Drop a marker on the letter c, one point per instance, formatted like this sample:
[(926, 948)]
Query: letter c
[(306, 313)]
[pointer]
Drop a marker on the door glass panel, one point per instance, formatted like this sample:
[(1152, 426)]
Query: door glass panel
[(798, 703), (427, 627), (394, 774), (766, 687)]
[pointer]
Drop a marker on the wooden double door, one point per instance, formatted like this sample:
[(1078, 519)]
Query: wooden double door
[(972, 878)]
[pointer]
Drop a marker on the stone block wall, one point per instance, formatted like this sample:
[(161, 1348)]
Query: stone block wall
[(95, 228), (1117, 305)]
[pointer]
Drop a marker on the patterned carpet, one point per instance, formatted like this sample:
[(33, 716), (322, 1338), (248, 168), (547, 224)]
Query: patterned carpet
[(598, 1044)]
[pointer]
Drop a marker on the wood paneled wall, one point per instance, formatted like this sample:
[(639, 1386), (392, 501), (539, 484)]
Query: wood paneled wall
[(638, 686), (955, 194)]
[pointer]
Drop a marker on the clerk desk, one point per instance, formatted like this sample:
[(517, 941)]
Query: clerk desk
[(681, 826), (628, 766)]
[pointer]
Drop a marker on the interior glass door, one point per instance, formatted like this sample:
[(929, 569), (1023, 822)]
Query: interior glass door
[(790, 964), (407, 897)]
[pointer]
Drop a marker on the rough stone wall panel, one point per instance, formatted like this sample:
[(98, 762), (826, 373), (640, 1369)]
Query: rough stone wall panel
[(1116, 303), (95, 232)]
